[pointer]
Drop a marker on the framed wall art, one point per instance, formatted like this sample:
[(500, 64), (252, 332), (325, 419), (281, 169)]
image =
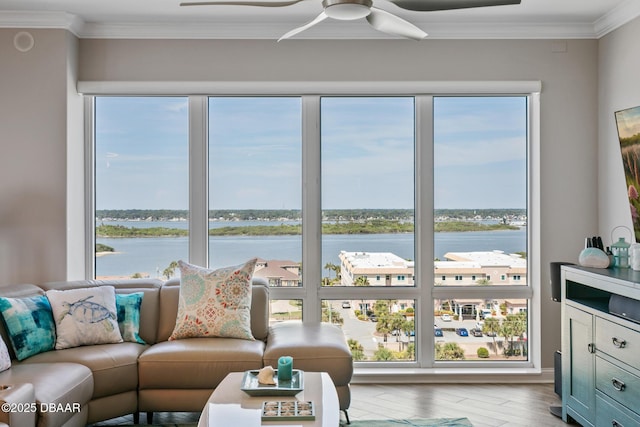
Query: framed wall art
[(628, 124)]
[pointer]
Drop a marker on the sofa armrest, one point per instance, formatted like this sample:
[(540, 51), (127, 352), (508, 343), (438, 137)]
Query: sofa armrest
[(18, 405)]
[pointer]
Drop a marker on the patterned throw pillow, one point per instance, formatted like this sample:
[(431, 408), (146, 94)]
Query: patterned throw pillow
[(29, 324), (214, 303), (128, 307), (5, 359), (85, 316)]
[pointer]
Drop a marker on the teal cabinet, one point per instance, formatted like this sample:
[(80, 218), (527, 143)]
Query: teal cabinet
[(579, 358), (600, 351)]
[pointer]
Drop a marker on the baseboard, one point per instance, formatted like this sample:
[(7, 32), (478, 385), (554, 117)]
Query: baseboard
[(458, 376)]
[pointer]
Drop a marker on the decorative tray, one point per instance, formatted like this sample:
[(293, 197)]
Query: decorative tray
[(252, 387), (288, 411)]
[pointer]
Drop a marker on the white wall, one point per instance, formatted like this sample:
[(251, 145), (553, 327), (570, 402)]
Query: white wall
[(619, 88)]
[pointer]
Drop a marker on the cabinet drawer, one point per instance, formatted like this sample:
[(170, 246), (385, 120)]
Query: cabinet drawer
[(620, 385), (610, 413), (617, 341)]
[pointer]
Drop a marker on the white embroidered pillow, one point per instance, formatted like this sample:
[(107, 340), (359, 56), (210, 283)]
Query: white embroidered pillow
[(214, 303), (85, 316), (5, 359)]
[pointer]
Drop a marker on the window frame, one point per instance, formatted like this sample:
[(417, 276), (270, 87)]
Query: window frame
[(312, 293)]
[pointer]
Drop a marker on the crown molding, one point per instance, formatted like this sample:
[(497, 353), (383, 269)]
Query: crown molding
[(617, 17), (44, 20), (622, 14), (335, 30)]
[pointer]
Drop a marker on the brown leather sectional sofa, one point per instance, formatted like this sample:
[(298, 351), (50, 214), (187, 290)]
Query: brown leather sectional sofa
[(84, 385)]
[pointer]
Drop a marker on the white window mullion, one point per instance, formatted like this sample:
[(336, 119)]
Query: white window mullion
[(198, 181), (424, 229), (311, 208), (89, 189)]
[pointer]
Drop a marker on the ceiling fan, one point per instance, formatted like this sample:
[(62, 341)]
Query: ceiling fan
[(381, 20)]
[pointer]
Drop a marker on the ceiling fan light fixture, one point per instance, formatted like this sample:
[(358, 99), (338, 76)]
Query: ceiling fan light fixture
[(347, 10)]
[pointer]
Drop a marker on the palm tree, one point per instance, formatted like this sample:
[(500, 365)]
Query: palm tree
[(361, 281), (168, 272), (335, 268), (491, 327)]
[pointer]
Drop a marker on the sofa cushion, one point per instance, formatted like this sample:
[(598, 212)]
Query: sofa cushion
[(30, 324), (169, 295), (62, 385), (314, 347), (149, 309), (114, 366), (214, 303), (196, 363), (84, 316), (128, 308)]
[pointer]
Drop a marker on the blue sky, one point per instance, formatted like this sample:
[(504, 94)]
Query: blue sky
[(255, 152)]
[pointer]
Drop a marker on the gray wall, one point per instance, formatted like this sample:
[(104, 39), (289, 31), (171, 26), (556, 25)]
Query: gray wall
[(33, 140), (619, 88), (569, 111)]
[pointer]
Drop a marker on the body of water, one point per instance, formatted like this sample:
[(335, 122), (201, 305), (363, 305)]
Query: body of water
[(152, 255)]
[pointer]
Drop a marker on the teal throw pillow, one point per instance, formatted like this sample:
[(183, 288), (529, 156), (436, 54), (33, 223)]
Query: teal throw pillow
[(128, 308), (30, 325)]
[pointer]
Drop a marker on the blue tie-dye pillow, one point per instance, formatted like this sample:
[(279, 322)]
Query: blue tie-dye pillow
[(128, 308), (30, 325)]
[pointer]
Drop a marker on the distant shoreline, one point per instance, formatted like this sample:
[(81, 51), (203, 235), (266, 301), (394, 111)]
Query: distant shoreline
[(103, 253)]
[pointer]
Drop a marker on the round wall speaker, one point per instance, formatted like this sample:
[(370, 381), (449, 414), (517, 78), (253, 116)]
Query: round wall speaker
[(23, 41)]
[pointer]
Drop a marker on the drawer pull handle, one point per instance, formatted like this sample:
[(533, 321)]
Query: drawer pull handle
[(619, 343), (614, 423), (618, 385)]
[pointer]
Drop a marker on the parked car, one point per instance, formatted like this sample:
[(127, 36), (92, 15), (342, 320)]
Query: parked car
[(462, 332), (490, 334), (446, 317), (346, 304), (373, 318), (437, 332), (476, 332)]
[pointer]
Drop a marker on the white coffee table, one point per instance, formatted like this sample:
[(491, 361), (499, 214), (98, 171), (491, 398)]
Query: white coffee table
[(242, 410)]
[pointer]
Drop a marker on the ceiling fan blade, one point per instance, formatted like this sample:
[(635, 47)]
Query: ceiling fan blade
[(389, 23), (432, 5), (242, 3), (295, 31)]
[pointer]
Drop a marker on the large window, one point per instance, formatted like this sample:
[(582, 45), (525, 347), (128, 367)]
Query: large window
[(141, 185), (405, 220), (255, 179), (480, 223)]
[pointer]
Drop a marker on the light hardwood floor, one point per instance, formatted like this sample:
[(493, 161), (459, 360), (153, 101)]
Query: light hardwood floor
[(484, 404)]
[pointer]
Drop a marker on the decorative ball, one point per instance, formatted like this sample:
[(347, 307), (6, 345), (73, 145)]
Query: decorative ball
[(593, 257)]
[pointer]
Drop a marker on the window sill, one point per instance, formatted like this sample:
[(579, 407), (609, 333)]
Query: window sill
[(451, 375)]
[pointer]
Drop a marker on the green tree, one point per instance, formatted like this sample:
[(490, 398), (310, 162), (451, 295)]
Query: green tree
[(357, 351), (514, 326), (491, 327), (449, 351), (361, 281), (336, 270), (170, 270), (383, 326), (396, 320), (383, 354), (331, 316)]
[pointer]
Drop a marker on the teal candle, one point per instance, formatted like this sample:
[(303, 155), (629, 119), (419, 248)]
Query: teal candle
[(285, 368)]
